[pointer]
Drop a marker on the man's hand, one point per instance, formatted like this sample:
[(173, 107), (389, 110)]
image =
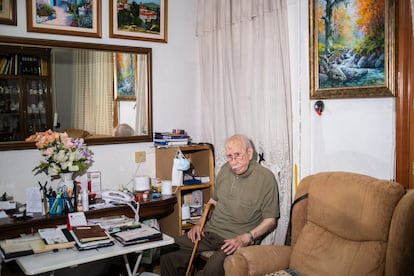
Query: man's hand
[(230, 246), (194, 233)]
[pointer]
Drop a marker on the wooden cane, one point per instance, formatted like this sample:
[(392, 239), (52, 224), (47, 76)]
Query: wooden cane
[(202, 222)]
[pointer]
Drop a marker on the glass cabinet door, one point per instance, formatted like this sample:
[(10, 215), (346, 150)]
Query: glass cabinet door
[(36, 105), (10, 115)]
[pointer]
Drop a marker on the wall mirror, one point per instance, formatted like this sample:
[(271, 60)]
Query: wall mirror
[(124, 104)]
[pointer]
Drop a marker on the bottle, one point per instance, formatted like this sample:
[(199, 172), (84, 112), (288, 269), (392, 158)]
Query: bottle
[(79, 202), (85, 200)]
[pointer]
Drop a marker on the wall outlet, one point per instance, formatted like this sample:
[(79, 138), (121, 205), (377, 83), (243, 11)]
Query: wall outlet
[(140, 156)]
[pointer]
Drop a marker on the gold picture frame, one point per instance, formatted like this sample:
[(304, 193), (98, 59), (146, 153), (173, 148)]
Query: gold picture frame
[(8, 12), (64, 18), (352, 49), (151, 23)]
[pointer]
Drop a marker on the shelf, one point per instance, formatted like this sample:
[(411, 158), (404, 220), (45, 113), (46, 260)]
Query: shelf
[(193, 186), (9, 113), (20, 99), (202, 164)]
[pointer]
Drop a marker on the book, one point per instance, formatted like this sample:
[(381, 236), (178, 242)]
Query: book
[(55, 238), (12, 248), (28, 245), (90, 233), (81, 246), (138, 241), (138, 235), (161, 142), (167, 138)]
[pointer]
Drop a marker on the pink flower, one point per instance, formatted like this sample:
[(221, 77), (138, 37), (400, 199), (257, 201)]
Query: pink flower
[(61, 152)]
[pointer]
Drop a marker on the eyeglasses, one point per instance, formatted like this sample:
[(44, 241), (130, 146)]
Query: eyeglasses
[(236, 156)]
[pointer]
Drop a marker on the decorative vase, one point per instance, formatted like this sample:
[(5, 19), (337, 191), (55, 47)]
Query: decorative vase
[(66, 179), (65, 185)]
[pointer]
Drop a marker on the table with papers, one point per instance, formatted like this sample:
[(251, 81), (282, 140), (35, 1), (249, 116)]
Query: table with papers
[(52, 261)]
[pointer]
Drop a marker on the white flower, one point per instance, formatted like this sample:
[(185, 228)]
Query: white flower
[(62, 154)]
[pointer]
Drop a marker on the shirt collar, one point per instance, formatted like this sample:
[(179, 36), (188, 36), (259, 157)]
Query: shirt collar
[(252, 166)]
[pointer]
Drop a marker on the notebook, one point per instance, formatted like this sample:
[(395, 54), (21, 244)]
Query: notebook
[(90, 233)]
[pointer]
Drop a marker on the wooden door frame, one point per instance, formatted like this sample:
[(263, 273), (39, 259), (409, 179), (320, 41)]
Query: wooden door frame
[(404, 100)]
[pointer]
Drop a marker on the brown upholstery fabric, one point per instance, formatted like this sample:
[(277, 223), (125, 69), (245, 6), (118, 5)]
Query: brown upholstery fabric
[(257, 260), (347, 228), (400, 253), (350, 224)]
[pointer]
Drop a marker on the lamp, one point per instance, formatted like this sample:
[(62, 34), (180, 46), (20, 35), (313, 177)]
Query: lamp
[(118, 197)]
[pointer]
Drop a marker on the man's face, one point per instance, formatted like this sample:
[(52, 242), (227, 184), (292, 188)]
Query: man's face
[(237, 156)]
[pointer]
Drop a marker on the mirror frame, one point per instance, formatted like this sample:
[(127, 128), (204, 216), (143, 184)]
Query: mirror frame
[(17, 145)]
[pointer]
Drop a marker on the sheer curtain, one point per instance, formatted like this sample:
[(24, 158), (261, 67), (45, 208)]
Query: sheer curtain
[(92, 97), (245, 84), (141, 105)]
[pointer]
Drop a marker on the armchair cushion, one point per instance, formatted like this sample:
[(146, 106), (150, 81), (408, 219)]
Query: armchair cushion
[(347, 225), (350, 224), (258, 260)]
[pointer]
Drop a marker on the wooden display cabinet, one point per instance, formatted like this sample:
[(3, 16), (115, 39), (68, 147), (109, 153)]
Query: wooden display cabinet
[(25, 97), (202, 162)]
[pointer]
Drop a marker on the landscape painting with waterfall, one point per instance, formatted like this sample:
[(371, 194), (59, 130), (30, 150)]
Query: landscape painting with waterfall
[(351, 43), (352, 48)]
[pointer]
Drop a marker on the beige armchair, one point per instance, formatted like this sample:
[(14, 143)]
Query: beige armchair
[(350, 224)]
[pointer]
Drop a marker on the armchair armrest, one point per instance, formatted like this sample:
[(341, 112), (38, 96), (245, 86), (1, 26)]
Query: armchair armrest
[(257, 260)]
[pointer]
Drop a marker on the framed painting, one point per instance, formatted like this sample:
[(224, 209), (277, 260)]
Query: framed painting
[(142, 20), (125, 76), (352, 48), (80, 18), (8, 12)]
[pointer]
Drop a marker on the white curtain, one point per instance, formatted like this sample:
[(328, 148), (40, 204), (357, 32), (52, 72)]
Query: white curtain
[(141, 105), (245, 84), (93, 97)]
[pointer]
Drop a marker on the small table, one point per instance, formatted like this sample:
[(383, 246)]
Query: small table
[(52, 261)]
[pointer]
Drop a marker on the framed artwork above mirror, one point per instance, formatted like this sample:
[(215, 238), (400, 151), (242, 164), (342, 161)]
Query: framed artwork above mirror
[(8, 12), (146, 20), (64, 17)]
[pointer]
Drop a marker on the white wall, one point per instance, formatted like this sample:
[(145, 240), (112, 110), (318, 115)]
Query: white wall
[(175, 100), (352, 135), (355, 135)]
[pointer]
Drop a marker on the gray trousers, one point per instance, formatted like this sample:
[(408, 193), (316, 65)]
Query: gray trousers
[(176, 262)]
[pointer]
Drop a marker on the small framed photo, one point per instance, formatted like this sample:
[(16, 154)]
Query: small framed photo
[(125, 76), (8, 12), (141, 20), (80, 18)]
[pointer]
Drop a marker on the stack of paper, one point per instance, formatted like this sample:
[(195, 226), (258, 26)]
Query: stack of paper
[(45, 240), (56, 238), (170, 139), (91, 237), (138, 235)]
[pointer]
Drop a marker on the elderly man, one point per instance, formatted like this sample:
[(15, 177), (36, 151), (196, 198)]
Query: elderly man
[(246, 207)]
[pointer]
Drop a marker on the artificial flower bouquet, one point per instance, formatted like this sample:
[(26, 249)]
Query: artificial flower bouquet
[(62, 153)]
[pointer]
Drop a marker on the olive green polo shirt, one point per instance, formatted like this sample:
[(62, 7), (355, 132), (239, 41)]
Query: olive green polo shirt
[(243, 201)]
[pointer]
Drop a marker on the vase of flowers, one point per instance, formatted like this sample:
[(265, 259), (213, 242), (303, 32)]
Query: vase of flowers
[(62, 154)]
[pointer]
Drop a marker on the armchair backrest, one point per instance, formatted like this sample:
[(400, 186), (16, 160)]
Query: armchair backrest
[(343, 227)]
